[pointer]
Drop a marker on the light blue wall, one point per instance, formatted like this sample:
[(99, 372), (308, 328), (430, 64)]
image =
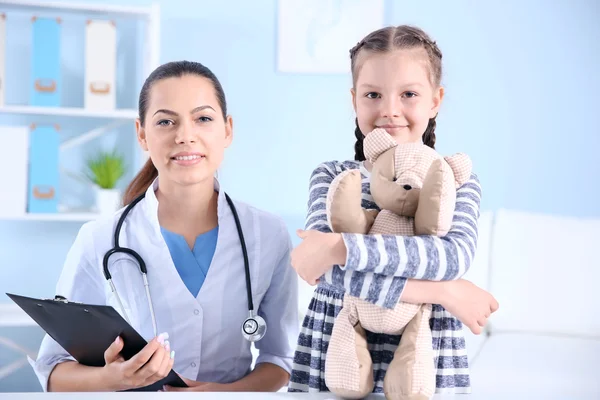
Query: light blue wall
[(521, 82)]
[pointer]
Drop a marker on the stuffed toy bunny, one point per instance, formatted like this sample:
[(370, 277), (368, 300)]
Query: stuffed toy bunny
[(415, 190)]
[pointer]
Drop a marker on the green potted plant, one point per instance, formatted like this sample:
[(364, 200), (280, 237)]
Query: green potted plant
[(104, 171)]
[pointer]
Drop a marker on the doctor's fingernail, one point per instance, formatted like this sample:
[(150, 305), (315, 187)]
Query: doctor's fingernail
[(162, 337), (172, 354), (167, 346)]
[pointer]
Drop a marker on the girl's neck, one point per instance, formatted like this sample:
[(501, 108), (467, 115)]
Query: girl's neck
[(187, 210)]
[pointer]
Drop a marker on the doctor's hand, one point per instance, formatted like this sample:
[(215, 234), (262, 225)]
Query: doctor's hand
[(151, 364), (195, 386), (317, 254)]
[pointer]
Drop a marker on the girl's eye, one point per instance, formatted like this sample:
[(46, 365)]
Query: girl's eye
[(372, 95), (410, 95), (205, 119), (164, 122)]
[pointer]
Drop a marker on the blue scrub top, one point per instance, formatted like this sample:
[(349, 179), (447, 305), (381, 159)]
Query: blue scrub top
[(192, 265)]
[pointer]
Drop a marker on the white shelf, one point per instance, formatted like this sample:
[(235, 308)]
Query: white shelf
[(70, 112), (13, 315), (76, 7), (65, 216)]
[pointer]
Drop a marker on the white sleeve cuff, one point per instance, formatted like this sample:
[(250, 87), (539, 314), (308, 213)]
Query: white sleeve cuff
[(43, 368)]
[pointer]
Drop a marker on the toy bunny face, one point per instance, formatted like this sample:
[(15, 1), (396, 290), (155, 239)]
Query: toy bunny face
[(399, 171), (413, 180)]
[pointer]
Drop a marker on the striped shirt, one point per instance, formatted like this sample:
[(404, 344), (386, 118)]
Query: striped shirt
[(376, 270)]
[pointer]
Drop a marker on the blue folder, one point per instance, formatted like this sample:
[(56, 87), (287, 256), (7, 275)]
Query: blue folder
[(44, 142), (46, 85)]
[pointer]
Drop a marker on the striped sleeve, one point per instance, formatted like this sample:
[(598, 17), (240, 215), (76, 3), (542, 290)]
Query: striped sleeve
[(422, 257), (320, 179)]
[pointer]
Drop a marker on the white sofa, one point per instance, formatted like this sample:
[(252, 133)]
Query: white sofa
[(545, 338), (544, 341)]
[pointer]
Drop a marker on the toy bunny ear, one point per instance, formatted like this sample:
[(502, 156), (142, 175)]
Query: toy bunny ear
[(461, 166), (376, 143)]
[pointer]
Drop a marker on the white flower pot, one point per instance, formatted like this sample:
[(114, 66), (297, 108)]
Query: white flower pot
[(107, 200)]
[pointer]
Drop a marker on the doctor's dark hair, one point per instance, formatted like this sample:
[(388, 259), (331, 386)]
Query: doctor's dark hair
[(386, 40), (176, 69)]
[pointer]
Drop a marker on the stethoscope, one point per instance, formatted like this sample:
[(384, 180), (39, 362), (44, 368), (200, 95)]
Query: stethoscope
[(253, 328)]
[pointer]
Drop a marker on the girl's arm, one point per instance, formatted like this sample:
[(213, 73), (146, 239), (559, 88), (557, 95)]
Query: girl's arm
[(376, 267), (422, 257), (419, 257)]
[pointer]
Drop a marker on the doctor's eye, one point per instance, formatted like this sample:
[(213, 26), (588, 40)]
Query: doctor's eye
[(164, 122), (205, 119)]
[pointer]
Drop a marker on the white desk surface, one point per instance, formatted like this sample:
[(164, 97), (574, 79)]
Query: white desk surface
[(228, 396)]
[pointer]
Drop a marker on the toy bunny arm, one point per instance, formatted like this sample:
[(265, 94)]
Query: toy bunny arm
[(388, 293), (422, 257)]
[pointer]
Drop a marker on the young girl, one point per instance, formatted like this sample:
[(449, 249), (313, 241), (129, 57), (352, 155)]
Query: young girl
[(396, 73)]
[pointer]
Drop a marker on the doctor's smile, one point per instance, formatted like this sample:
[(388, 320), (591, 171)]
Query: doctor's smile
[(186, 158)]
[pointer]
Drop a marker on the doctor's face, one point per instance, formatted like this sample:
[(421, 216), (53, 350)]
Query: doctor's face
[(184, 130)]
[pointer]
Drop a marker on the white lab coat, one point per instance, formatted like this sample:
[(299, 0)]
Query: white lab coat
[(205, 331)]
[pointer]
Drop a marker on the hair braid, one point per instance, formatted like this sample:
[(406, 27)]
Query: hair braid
[(359, 154), (429, 135)]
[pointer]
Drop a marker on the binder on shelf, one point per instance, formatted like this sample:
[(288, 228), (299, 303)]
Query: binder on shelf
[(100, 65), (2, 57), (14, 159), (44, 151), (46, 83)]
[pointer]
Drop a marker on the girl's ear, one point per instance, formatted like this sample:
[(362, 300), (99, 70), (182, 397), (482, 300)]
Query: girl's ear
[(438, 96), (141, 134), (353, 93)]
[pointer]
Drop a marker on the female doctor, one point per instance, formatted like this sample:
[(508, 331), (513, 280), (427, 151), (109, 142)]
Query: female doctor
[(185, 231)]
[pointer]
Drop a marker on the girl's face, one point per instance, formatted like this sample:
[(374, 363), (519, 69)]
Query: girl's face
[(393, 91), (184, 130)]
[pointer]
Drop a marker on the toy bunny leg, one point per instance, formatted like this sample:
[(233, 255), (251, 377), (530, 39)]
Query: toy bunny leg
[(411, 374), (348, 365), (344, 209)]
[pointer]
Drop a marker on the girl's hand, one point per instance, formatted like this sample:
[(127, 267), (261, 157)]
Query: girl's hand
[(317, 254), (469, 303)]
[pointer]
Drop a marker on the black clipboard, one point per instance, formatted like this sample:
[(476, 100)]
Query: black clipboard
[(86, 331)]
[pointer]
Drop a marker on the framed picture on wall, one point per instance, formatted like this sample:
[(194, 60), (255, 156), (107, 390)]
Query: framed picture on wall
[(315, 36)]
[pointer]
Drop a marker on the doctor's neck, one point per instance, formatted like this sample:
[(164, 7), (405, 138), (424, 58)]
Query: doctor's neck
[(189, 210)]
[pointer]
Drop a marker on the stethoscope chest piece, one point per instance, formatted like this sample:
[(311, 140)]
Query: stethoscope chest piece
[(254, 327)]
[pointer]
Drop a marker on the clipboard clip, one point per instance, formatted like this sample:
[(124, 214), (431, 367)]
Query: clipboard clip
[(62, 299)]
